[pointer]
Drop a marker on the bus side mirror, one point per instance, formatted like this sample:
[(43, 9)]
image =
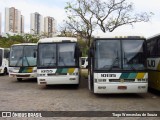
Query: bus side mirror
[(78, 53), (34, 54), (91, 52), (8, 54)]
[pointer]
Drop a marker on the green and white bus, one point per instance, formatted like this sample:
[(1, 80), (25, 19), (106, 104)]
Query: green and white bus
[(118, 65), (4, 56), (23, 61), (58, 61), (153, 62)]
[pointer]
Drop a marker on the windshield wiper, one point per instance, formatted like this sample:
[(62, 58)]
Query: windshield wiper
[(27, 60), (49, 64), (18, 61), (125, 59), (114, 62)]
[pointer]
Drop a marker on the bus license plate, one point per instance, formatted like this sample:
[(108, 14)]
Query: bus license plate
[(122, 87)]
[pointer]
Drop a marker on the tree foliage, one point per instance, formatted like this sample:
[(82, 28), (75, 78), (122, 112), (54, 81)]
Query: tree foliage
[(84, 16), (83, 47), (6, 42)]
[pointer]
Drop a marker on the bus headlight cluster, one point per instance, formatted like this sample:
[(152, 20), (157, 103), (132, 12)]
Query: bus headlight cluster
[(72, 78), (10, 71), (35, 71), (95, 80), (100, 80), (142, 80), (76, 73), (41, 75)]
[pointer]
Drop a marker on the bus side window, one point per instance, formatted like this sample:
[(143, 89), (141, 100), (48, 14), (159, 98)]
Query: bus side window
[(149, 49), (153, 48), (6, 53)]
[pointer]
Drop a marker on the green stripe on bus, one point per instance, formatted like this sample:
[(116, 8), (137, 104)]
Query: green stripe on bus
[(64, 70), (26, 70), (132, 75), (124, 75), (59, 70)]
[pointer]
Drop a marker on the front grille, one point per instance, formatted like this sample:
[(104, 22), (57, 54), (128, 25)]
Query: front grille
[(22, 75), (121, 80), (53, 74)]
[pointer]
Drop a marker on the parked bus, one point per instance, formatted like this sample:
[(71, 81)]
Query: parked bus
[(153, 62), (58, 61), (118, 65), (22, 62), (4, 55), (84, 62)]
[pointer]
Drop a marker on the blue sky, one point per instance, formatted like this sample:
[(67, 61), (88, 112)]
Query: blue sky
[(55, 8)]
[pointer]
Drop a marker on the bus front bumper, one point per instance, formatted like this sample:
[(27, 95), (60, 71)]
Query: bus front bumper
[(23, 75), (121, 88), (55, 80)]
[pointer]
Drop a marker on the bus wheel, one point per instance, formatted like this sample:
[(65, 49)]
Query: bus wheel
[(76, 86), (5, 71), (19, 79)]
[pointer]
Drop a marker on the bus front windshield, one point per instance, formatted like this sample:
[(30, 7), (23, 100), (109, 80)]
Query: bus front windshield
[(56, 54), (119, 55), (23, 55)]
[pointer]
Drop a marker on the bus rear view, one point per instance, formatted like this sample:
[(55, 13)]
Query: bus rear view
[(118, 65)]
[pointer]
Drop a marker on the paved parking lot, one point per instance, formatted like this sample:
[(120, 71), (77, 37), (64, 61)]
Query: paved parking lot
[(28, 96)]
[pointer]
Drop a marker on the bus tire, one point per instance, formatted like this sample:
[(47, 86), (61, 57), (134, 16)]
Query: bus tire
[(76, 86), (5, 71), (19, 79)]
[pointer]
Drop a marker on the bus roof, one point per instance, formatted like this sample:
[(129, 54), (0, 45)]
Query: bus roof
[(121, 37), (24, 44), (154, 36), (4, 48), (58, 39)]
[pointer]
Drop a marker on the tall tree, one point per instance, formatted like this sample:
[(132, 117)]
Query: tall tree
[(84, 16), (80, 19)]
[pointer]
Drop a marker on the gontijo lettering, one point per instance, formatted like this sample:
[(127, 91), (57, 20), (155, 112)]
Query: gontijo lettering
[(46, 71), (108, 75)]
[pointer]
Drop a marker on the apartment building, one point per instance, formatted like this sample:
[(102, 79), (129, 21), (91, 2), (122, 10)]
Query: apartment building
[(22, 24), (13, 21), (49, 26), (36, 23)]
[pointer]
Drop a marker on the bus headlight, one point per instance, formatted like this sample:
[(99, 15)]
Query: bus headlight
[(34, 70), (142, 80), (76, 73), (72, 78), (95, 80)]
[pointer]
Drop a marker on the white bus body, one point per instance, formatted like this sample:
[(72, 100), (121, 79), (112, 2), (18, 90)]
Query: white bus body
[(58, 61), (4, 56), (22, 62), (118, 65)]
